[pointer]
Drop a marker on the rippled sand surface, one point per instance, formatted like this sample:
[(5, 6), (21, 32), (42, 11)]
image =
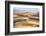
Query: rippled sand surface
[(29, 22)]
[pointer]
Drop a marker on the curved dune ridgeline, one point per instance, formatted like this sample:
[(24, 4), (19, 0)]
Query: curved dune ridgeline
[(25, 19)]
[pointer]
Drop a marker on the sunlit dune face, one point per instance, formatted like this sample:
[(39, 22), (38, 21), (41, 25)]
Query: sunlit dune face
[(23, 13), (25, 19)]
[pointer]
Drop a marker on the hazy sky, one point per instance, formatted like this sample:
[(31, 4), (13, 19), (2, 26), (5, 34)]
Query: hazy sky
[(26, 9)]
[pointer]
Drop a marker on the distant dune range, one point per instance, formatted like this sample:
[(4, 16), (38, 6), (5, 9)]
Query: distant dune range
[(23, 13), (27, 14)]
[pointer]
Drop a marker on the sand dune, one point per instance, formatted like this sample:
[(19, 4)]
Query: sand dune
[(25, 19)]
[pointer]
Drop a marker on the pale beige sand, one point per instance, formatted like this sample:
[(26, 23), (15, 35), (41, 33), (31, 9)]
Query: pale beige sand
[(28, 23), (32, 23)]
